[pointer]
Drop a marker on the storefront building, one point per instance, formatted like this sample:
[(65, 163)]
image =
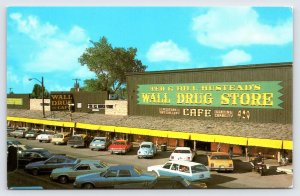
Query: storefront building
[(242, 108)]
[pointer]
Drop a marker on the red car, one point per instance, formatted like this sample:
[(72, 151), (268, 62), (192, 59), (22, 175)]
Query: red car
[(120, 147)]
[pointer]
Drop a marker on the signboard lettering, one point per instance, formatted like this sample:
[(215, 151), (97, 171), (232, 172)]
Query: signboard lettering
[(60, 102), (255, 94)]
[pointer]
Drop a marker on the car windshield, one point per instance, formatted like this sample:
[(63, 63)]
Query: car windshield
[(46, 154), (58, 136), (182, 151), (138, 171), (15, 142), (119, 143), (145, 146), (99, 140), (220, 157), (76, 138), (198, 168)]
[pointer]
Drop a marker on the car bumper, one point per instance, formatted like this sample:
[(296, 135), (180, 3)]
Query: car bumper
[(76, 185), (145, 156), (117, 151), (221, 169), (97, 147)]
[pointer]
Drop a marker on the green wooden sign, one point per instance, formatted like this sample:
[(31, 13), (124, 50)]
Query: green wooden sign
[(254, 94)]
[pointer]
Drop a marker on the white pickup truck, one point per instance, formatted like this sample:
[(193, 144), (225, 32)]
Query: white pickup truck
[(45, 137)]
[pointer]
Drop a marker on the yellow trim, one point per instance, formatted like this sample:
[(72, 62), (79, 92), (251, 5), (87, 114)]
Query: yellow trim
[(123, 130), (178, 135), (107, 128), (288, 145), (202, 137), (87, 126), (231, 140), (268, 143)]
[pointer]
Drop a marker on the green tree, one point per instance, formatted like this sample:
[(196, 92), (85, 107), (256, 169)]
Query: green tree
[(37, 92), (110, 65)]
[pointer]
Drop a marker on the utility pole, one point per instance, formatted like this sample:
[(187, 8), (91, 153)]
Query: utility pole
[(76, 85)]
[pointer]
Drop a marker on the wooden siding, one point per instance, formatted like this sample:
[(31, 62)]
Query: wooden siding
[(267, 72)]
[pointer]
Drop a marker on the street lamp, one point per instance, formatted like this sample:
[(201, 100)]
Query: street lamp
[(42, 83)]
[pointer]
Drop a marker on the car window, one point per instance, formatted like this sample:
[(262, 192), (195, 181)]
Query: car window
[(83, 167), (174, 167), (111, 173), (182, 151), (124, 173), (145, 146), (198, 168), (220, 157), (167, 165), (184, 169), (52, 160), (35, 155)]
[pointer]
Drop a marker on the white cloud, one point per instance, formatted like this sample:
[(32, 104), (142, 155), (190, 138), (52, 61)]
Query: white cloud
[(57, 51), (167, 51), (57, 87), (230, 27), (235, 57)]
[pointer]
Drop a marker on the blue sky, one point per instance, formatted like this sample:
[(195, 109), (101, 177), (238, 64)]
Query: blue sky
[(47, 41)]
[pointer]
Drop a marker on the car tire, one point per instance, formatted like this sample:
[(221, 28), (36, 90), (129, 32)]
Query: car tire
[(88, 186), (40, 141), (35, 172), (112, 152), (63, 179)]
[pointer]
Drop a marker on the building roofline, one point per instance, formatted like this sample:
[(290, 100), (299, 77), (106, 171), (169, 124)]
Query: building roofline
[(237, 67)]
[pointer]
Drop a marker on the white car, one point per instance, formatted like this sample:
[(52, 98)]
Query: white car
[(45, 137), (182, 153), (190, 171)]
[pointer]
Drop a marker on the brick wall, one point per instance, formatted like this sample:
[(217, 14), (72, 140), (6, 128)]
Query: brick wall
[(35, 104), (119, 107)]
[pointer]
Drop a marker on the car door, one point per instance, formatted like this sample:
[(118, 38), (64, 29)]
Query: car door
[(49, 165), (108, 179), (80, 170), (168, 169)]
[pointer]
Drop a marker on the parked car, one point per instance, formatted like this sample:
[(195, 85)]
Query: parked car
[(56, 161), (66, 174), (60, 138), (220, 161), (120, 147), (33, 155), (146, 150), (14, 143), (45, 136), (188, 170), (9, 130), (19, 132), (182, 153), (115, 175), (164, 182), (100, 143), (23, 147), (32, 134), (79, 140)]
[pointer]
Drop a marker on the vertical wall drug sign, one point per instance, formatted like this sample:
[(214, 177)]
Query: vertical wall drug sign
[(254, 94)]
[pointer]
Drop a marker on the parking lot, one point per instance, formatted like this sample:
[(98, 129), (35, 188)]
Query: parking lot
[(242, 177)]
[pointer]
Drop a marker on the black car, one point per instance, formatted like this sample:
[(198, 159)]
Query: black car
[(32, 155)]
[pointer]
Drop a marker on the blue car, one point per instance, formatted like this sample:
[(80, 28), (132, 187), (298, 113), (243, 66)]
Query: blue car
[(115, 175), (56, 161), (146, 150)]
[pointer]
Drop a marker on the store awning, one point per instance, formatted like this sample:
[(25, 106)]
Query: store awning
[(150, 132), (123, 130), (287, 145), (87, 126), (231, 140), (178, 135), (107, 128), (267, 143), (203, 137)]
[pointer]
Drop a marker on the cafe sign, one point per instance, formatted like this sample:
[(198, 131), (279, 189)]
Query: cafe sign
[(254, 94), (60, 102)]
